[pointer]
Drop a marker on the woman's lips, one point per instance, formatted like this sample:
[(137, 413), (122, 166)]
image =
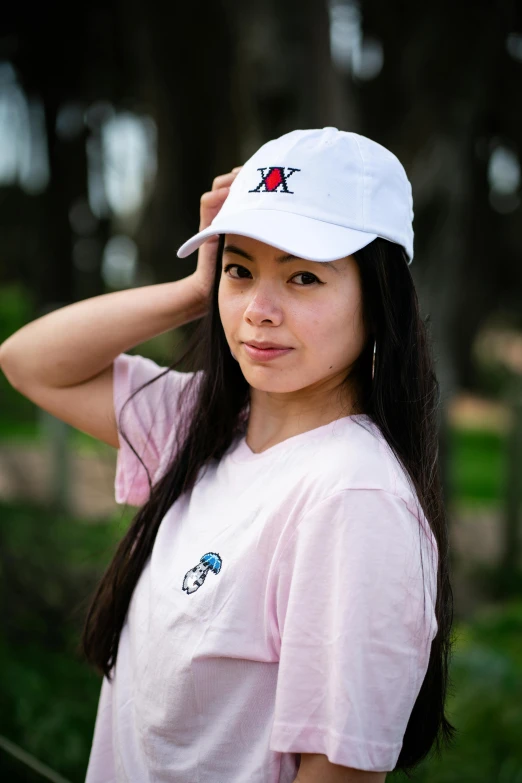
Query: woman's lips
[(264, 354)]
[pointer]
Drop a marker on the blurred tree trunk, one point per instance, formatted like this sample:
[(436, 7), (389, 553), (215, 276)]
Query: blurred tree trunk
[(52, 67), (187, 53), (256, 71), (284, 76), (54, 269), (429, 105)]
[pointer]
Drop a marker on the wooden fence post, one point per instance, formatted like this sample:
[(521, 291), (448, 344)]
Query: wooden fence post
[(511, 544)]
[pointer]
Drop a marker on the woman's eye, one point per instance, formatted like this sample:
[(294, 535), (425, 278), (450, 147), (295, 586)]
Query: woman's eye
[(230, 266), (306, 274), (311, 277)]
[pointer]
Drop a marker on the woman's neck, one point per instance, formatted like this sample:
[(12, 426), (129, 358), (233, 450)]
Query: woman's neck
[(269, 424)]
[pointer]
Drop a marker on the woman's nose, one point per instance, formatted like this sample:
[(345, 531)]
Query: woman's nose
[(263, 306)]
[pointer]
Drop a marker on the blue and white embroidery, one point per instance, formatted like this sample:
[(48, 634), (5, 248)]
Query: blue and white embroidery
[(197, 575)]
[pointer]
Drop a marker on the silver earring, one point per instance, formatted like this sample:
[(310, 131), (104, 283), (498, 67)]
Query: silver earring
[(373, 359)]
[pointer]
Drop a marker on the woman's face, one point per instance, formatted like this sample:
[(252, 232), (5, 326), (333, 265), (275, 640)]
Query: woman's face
[(314, 308)]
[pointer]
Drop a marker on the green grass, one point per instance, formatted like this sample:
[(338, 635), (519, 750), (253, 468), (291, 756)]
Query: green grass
[(477, 467), (24, 430), (48, 694), (485, 702)]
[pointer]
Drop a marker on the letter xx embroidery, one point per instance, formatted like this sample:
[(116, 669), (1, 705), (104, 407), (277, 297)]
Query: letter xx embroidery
[(274, 178)]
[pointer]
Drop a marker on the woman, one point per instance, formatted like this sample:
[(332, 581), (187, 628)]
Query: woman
[(280, 607)]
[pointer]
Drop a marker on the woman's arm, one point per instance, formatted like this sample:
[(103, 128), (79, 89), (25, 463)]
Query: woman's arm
[(75, 343), (316, 768), (78, 342)]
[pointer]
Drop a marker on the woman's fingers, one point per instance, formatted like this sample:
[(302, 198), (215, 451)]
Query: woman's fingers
[(213, 197), (224, 180), (211, 203), (213, 200)]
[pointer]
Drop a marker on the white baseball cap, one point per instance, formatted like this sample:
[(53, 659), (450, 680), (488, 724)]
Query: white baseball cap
[(317, 194)]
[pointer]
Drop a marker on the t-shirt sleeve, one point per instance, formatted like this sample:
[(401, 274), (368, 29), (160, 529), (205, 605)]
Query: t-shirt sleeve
[(149, 421), (355, 622)]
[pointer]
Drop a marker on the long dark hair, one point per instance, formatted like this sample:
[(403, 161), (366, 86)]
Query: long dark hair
[(402, 399)]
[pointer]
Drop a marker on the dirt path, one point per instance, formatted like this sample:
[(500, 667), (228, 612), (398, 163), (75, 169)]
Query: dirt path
[(26, 472)]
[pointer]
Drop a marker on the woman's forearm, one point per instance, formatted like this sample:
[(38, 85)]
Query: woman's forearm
[(316, 768), (76, 342)]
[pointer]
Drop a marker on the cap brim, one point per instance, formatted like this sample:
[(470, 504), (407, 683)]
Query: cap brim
[(299, 235)]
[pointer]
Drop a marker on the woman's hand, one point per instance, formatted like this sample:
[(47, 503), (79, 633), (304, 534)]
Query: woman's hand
[(210, 205)]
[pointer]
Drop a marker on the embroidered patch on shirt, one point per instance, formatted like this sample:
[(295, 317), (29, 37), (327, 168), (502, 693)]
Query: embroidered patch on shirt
[(195, 577)]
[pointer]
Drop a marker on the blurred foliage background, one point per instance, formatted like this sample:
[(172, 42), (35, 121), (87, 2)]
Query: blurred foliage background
[(114, 118)]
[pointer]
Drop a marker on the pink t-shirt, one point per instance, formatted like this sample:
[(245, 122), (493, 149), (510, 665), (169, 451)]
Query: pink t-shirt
[(282, 611)]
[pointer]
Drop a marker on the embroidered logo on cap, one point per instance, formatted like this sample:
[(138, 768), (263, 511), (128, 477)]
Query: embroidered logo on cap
[(274, 178)]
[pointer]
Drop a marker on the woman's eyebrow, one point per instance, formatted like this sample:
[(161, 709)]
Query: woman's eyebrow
[(280, 259)]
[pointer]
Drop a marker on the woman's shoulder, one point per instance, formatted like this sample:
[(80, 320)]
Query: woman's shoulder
[(152, 404), (354, 462), (356, 455), (160, 389), (142, 369)]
